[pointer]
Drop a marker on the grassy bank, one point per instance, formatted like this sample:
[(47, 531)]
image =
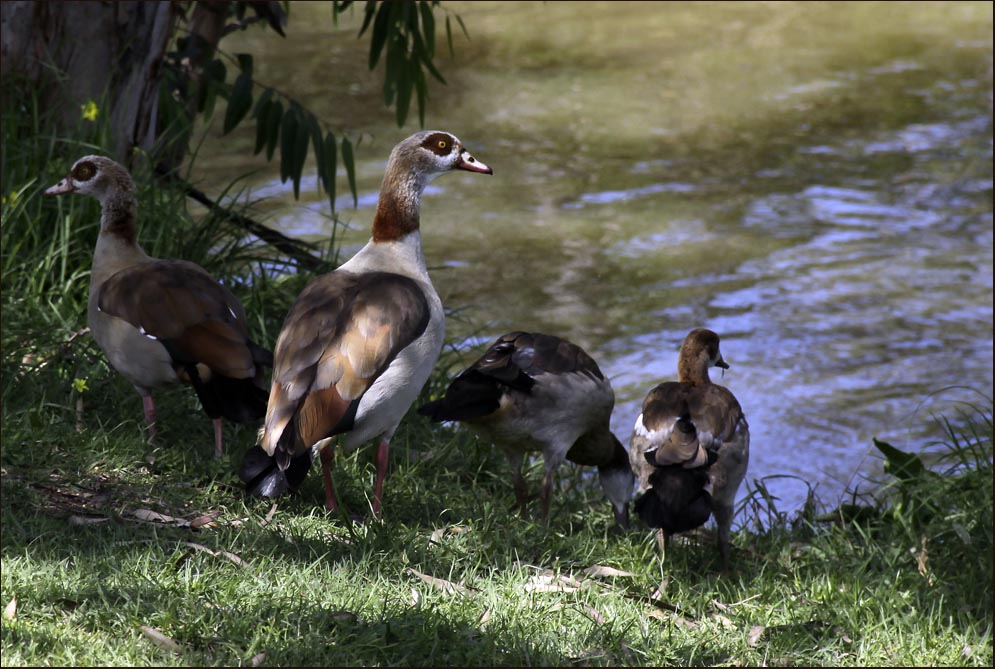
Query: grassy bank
[(114, 552)]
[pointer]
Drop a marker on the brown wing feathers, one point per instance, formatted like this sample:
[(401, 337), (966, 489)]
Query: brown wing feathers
[(202, 326), (339, 337)]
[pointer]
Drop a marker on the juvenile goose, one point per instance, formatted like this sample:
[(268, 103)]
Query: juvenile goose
[(691, 435), (537, 392), (359, 343), (163, 321)]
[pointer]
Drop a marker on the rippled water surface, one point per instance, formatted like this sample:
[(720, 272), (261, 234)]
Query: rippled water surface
[(811, 180)]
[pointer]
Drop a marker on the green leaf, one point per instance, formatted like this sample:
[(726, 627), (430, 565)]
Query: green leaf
[(449, 38), (299, 154), (262, 102), (901, 465), (405, 82), (331, 152), (462, 25), (239, 102), (350, 168), (428, 26), (394, 69), (274, 119), (370, 11), (318, 143), (245, 63), (421, 88), (288, 138), (214, 76), (380, 32), (261, 112), (422, 53)]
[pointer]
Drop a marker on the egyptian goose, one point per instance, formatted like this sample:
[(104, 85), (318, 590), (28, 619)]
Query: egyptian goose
[(163, 321), (536, 392), (691, 436), (359, 343)]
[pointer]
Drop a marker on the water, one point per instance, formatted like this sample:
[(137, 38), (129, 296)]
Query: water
[(811, 180)]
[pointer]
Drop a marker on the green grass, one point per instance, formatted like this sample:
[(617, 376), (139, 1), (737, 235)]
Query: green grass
[(87, 572)]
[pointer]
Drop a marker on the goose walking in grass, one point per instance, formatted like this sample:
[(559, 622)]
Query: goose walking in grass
[(532, 392), (359, 343), (690, 447), (164, 321)]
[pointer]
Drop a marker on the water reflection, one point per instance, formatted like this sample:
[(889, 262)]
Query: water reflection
[(812, 181)]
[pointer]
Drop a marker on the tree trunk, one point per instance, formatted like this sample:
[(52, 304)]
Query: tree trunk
[(108, 52)]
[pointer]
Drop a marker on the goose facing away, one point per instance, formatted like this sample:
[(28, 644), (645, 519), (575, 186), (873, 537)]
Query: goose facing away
[(536, 392), (690, 446), (163, 321), (359, 343)]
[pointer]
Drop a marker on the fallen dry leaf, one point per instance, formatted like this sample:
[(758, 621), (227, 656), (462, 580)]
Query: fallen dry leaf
[(257, 659), (675, 618), (595, 615), (150, 516), (447, 587), (223, 553), (415, 597), (10, 611), (601, 571), (658, 593), (756, 632), (269, 516), (552, 583), (87, 520), (719, 605), (160, 639), (721, 619), (485, 620), (205, 520)]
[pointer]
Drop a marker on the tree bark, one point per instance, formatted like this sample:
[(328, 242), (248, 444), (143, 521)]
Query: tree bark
[(108, 52)]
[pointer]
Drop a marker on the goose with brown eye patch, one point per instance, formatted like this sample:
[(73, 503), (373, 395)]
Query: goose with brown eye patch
[(690, 447), (164, 321), (359, 343)]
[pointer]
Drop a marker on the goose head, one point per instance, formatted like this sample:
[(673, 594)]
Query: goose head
[(96, 176), (430, 153), (699, 351), (412, 165)]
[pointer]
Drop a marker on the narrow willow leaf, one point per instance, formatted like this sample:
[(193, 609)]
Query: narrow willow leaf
[(288, 136), (318, 142), (239, 102), (421, 88), (370, 11), (462, 25), (449, 38), (299, 154), (350, 168), (380, 32), (331, 151), (261, 103), (428, 26), (274, 119), (427, 60), (245, 62), (262, 110), (405, 82)]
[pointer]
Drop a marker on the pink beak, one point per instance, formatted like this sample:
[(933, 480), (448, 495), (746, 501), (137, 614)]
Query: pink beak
[(64, 186), (471, 164)]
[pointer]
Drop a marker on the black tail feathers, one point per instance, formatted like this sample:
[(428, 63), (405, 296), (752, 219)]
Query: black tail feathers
[(263, 476), (677, 500)]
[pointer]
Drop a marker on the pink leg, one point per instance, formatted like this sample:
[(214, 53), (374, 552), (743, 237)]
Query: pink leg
[(383, 449), (149, 405), (219, 450), (327, 456)]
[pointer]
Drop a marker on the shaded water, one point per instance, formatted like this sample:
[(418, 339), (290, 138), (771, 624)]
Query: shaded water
[(813, 181)]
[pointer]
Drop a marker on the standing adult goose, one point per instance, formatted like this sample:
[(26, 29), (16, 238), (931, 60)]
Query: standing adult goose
[(163, 321), (359, 343), (536, 392), (691, 436)]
